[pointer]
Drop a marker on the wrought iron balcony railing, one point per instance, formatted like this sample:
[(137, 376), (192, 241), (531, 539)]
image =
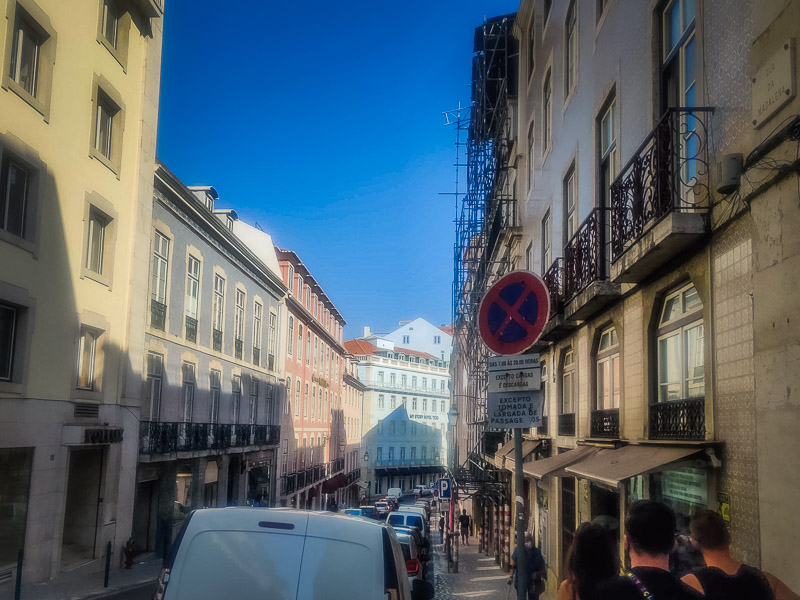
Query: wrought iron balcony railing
[(669, 172), (605, 423), (157, 437), (191, 329), (238, 348), (217, 340), (678, 420), (554, 279), (566, 424), (407, 462), (158, 315), (585, 256)]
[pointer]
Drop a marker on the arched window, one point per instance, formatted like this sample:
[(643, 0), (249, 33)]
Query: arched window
[(681, 366), (608, 375)]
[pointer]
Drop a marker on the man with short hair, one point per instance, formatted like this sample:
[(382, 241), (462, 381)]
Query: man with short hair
[(649, 538), (536, 567), (723, 576), (465, 523)]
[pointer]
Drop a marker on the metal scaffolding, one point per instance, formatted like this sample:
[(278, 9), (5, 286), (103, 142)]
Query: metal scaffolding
[(485, 211)]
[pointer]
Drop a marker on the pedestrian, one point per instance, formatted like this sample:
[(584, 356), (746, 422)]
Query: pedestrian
[(441, 529), (649, 538), (536, 567), (723, 576), (465, 522), (591, 561)]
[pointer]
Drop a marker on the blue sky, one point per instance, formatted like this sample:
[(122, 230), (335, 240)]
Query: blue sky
[(323, 123)]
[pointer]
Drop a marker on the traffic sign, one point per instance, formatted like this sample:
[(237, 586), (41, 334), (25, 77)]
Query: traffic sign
[(445, 491), (514, 373), (513, 313)]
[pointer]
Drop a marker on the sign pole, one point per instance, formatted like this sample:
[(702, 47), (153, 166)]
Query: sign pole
[(522, 564)]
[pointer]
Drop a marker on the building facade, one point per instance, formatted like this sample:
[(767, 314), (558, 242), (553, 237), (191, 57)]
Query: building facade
[(661, 365), (426, 337), (314, 446), (400, 453), (78, 120), (211, 406)]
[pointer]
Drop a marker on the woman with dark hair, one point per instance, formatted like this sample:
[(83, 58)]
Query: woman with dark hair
[(591, 561)]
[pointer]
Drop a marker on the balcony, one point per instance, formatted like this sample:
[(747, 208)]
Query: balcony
[(191, 329), (238, 348), (543, 428), (660, 200), (605, 423), (557, 327), (163, 438), (297, 480), (566, 424), (678, 420), (217, 340), (586, 285), (158, 315)]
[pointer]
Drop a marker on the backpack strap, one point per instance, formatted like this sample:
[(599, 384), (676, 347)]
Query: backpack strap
[(640, 586)]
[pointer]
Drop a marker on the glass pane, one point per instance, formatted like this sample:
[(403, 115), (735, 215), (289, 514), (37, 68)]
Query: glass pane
[(615, 387), (103, 133), (14, 207), (94, 255), (695, 369), (603, 385), (86, 360), (7, 322), (669, 368), (672, 309), (672, 25), (24, 62), (688, 12), (691, 300)]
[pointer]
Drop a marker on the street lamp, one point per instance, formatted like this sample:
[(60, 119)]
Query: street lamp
[(369, 483), (452, 415), (366, 456)]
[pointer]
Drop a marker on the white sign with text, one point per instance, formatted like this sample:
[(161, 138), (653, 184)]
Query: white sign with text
[(514, 373)]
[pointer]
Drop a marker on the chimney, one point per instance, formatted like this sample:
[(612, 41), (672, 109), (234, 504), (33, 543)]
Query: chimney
[(366, 331)]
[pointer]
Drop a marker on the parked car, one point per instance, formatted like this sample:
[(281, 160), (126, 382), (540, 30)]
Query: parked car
[(382, 508), (368, 511), (415, 567), (406, 518), (426, 493), (422, 543), (424, 506), (282, 553)]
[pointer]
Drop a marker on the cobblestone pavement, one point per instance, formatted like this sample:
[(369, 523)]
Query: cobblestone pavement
[(478, 576)]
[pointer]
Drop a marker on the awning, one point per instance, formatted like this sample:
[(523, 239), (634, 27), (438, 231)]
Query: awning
[(330, 485), (528, 446), (502, 451), (555, 464), (610, 467)]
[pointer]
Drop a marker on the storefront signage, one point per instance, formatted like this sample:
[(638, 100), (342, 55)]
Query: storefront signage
[(514, 373), (774, 83), (685, 485), (424, 417), (516, 410), (102, 436)]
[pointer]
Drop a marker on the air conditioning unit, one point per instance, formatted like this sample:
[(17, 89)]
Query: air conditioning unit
[(729, 172)]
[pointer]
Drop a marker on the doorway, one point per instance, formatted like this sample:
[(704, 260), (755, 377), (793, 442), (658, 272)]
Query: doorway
[(82, 511), (145, 513), (567, 519)]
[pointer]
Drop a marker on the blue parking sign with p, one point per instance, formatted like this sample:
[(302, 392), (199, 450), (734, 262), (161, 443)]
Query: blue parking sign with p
[(445, 491)]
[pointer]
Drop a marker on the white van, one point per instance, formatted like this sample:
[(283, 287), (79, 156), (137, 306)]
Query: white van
[(396, 493), (283, 554)]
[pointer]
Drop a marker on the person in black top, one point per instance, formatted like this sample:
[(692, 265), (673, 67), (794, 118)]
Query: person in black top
[(441, 529), (649, 538), (723, 577), (465, 522)]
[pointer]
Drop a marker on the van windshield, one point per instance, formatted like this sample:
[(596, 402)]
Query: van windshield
[(396, 520)]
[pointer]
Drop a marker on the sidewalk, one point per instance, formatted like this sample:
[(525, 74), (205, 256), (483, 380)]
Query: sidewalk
[(86, 583), (478, 575)]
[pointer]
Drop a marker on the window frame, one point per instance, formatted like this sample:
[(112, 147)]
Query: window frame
[(571, 50), (239, 316), (153, 378), (568, 370), (687, 321), (547, 241), (192, 281), (218, 305), (215, 393), (236, 397), (547, 111), (188, 389), (607, 357), (103, 93), (117, 48), (258, 325), (97, 206), (37, 20), (608, 154), (570, 190)]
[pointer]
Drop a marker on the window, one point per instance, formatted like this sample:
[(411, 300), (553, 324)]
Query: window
[(608, 152), (14, 187), (218, 310), (316, 352), (290, 279), (441, 386), (392, 379), (413, 404), (214, 378), (608, 375), (88, 366), (678, 54), (571, 47), (300, 342), (313, 402), (681, 364), (192, 286), (570, 214), (31, 42), (424, 383), (531, 49), (297, 399), (300, 287), (424, 451), (306, 398), (393, 402), (96, 239), (8, 325), (568, 384), (424, 405), (155, 371), (110, 22), (392, 428), (258, 310), (413, 382), (308, 348), (290, 339), (286, 409), (380, 401), (530, 156), (441, 406), (187, 391), (158, 291), (238, 319), (109, 117), (380, 377), (253, 400), (237, 398), (547, 251), (548, 4), (403, 381), (406, 339), (547, 112)]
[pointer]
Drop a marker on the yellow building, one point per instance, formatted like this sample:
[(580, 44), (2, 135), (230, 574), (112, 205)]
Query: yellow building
[(78, 115)]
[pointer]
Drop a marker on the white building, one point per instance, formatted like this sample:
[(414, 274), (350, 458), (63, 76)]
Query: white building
[(421, 335)]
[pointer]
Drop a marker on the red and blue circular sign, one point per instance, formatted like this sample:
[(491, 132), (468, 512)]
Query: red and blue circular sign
[(513, 313)]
